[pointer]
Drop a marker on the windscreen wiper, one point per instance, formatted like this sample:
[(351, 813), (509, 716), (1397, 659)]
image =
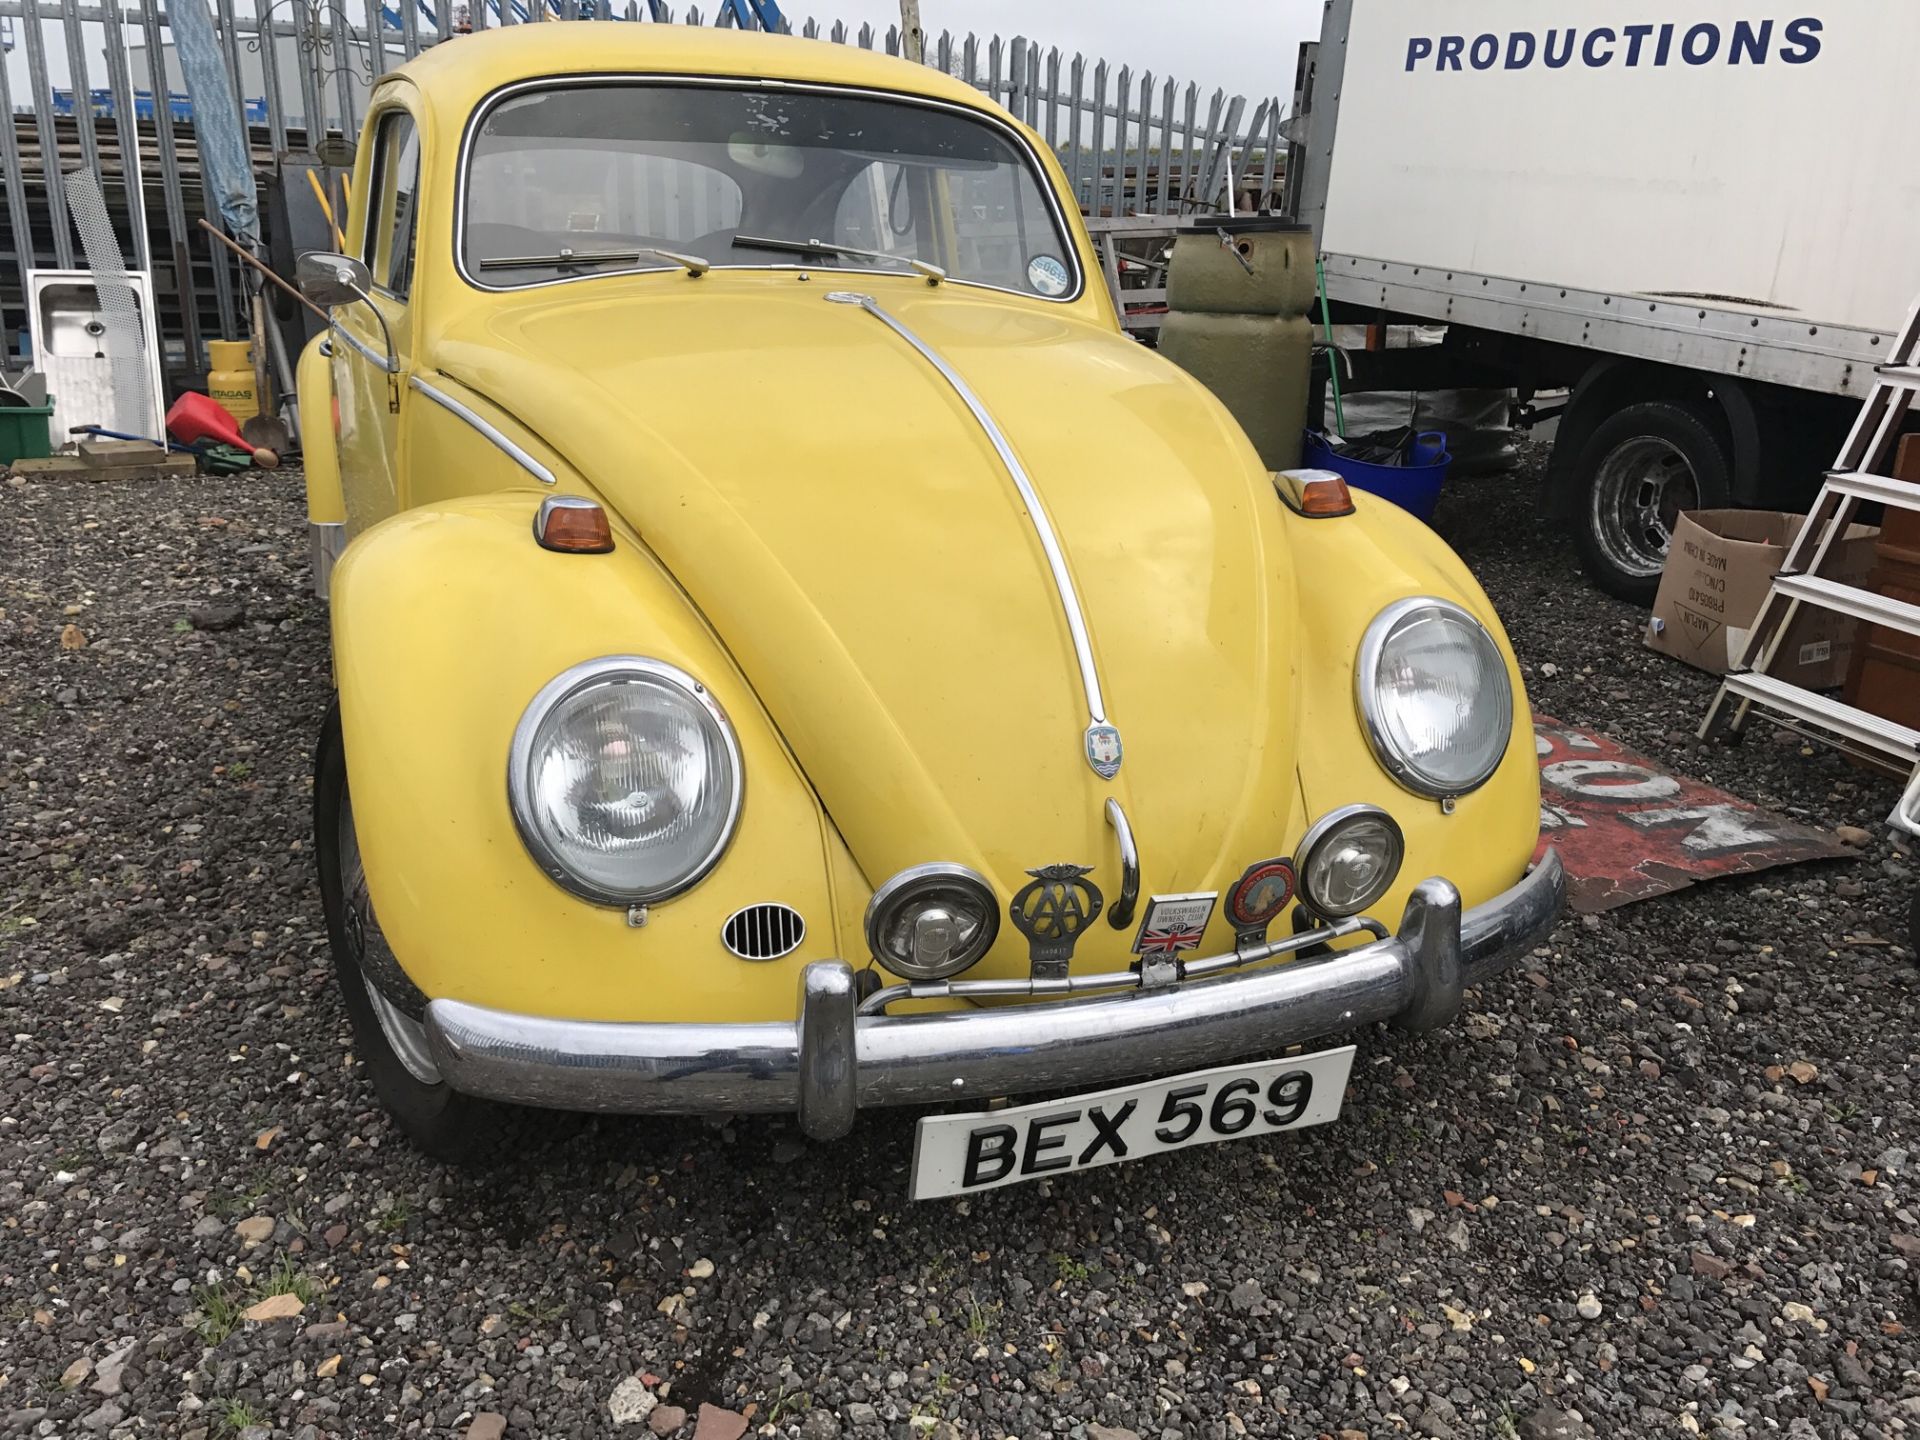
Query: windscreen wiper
[(566, 257), (933, 272)]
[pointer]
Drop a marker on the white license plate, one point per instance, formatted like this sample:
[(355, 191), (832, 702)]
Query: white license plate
[(983, 1150)]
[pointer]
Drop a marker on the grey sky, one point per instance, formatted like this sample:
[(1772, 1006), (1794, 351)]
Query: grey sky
[(1246, 47)]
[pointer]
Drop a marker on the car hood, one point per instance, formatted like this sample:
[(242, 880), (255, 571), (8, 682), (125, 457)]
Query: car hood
[(831, 506)]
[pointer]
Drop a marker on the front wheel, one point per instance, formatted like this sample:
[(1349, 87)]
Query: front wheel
[(387, 1031), (1636, 473)]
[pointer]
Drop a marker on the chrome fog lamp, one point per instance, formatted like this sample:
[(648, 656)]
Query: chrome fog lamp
[(932, 921), (1433, 690), (624, 780), (1348, 860)]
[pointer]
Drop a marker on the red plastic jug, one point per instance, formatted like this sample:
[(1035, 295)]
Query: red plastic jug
[(195, 417)]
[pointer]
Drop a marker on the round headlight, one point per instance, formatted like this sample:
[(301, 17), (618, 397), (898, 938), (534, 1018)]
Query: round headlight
[(1348, 860), (932, 921), (1435, 696), (625, 780)]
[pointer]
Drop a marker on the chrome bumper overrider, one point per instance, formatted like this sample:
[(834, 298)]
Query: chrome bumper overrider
[(832, 1061), (326, 540)]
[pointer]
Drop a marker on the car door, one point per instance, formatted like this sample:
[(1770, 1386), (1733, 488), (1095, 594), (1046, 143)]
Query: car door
[(371, 396)]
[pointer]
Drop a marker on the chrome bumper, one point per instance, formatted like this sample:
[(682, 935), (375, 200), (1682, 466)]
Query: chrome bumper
[(832, 1062)]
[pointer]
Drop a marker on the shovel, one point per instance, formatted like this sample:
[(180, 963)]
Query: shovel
[(267, 432)]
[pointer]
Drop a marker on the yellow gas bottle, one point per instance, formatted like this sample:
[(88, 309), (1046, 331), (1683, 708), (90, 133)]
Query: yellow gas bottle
[(231, 381)]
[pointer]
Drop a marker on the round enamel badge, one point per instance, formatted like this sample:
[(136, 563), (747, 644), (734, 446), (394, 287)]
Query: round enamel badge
[(1047, 275), (1259, 895)]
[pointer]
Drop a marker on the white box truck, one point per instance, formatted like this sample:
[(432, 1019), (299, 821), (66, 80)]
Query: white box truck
[(1700, 219)]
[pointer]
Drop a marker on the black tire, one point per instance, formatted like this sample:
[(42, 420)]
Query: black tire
[(435, 1117), (1640, 468)]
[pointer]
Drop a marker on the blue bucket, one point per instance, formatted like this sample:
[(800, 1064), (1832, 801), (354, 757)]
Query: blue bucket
[(1414, 487)]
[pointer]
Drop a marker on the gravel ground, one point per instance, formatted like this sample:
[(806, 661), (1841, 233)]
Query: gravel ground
[(1659, 1182)]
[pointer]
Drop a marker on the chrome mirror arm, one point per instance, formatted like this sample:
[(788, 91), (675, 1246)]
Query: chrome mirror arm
[(328, 281), (390, 362)]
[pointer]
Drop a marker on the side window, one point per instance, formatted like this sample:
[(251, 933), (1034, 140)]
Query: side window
[(388, 243)]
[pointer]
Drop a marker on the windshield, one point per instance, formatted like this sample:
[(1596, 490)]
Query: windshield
[(584, 179)]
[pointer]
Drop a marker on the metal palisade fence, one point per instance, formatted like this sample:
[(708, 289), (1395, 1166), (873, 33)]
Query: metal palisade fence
[(99, 87)]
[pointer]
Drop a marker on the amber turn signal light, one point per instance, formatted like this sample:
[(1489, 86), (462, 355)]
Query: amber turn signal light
[(573, 525), (1317, 494)]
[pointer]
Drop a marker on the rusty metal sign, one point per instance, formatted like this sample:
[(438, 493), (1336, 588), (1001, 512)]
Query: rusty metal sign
[(1628, 829)]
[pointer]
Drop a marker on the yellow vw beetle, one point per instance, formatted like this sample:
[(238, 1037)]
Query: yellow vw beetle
[(795, 653)]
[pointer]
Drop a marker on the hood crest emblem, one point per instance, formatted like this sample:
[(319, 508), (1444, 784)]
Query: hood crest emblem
[(1052, 910), (1102, 740), (1104, 751)]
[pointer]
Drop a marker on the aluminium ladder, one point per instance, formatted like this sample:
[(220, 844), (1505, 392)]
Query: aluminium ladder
[(1857, 477)]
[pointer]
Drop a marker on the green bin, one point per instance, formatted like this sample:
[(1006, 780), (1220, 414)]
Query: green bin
[(24, 432)]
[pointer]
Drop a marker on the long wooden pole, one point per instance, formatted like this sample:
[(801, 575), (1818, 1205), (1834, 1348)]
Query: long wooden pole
[(261, 266)]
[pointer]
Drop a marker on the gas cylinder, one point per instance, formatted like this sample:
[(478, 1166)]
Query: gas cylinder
[(231, 381)]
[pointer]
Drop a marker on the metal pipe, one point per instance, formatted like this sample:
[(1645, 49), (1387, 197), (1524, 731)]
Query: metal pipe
[(1040, 988), (377, 43), (342, 41), (157, 83), (267, 37), (41, 82), (82, 95), (16, 191), (1333, 352), (313, 97), (126, 127)]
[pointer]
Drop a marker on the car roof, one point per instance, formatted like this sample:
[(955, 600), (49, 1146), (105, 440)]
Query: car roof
[(455, 75)]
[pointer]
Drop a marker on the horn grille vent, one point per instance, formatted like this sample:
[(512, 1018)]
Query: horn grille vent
[(764, 932)]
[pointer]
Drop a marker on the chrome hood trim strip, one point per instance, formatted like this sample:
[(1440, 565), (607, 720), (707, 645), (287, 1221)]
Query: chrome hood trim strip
[(1036, 513), (519, 455)]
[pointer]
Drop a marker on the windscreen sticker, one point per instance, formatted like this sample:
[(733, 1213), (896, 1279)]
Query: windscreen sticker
[(1047, 275)]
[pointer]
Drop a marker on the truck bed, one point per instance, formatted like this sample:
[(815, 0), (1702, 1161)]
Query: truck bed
[(1722, 336)]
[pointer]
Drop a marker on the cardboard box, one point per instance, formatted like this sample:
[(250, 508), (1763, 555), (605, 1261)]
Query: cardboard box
[(1718, 569)]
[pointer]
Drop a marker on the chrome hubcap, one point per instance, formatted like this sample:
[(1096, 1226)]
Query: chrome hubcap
[(405, 1036), (1641, 488)]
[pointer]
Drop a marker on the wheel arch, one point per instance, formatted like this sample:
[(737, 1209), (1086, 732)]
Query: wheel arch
[(1614, 382), (320, 460), (447, 621)]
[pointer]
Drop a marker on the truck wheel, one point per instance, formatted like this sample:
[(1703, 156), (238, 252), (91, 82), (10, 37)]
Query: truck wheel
[(438, 1119), (1638, 470)]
